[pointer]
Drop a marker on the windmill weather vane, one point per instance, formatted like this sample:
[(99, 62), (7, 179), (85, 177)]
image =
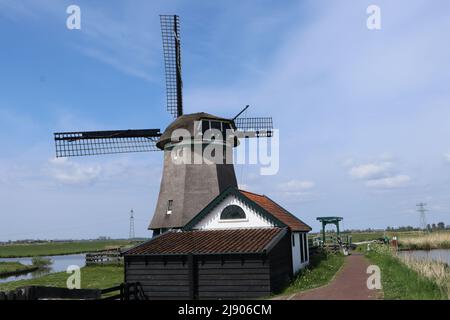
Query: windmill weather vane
[(188, 188)]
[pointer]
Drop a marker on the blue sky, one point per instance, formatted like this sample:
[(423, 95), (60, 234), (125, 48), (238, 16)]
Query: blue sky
[(363, 114)]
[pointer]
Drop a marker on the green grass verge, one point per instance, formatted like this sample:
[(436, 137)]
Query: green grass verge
[(58, 248), (92, 277), (6, 267), (402, 283), (321, 270)]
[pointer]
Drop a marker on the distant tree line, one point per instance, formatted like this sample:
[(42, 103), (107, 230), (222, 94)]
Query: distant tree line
[(440, 226), (367, 230), (437, 227), (430, 227)]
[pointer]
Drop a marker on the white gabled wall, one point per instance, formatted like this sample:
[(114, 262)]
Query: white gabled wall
[(297, 248), (253, 219)]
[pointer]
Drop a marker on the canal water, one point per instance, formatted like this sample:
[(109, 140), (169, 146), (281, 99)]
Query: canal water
[(441, 255), (59, 263)]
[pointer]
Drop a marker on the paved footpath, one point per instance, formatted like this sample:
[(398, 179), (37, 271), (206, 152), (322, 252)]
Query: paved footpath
[(349, 284)]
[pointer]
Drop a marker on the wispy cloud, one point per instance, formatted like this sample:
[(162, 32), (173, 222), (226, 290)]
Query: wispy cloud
[(296, 185), (126, 42), (72, 173), (447, 157), (395, 181), (129, 43), (369, 170), (133, 69), (379, 175), (16, 10), (296, 191)]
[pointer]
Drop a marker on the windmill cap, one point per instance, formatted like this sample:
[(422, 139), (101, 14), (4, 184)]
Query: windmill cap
[(187, 122)]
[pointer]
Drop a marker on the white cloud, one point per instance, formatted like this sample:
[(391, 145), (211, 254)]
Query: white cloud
[(296, 191), (116, 62), (296, 186), (291, 190), (370, 170), (379, 174), (389, 182), (72, 173), (447, 157), (244, 186)]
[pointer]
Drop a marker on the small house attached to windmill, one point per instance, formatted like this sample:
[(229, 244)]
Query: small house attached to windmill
[(241, 245)]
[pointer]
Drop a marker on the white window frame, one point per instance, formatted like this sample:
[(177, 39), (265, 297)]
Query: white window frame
[(169, 207)]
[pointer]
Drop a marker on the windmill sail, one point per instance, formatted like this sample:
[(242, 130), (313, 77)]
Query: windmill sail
[(254, 127), (73, 144), (170, 28)]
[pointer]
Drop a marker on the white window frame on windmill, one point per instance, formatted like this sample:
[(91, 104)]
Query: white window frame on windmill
[(169, 207)]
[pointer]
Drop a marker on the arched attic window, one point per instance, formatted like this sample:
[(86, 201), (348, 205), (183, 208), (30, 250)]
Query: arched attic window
[(232, 212)]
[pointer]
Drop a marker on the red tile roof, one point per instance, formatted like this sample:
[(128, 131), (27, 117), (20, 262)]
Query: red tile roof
[(209, 241), (294, 223)]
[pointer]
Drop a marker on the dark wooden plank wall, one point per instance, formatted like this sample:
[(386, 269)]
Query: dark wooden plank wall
[(215, 277), (233, 277), (280, 258), (243, 276), (160, 278)]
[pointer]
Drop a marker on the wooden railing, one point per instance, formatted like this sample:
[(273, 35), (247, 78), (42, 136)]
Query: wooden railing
[(117, 296), (124, 291), (127, 291), (104, 257), (50, 293)]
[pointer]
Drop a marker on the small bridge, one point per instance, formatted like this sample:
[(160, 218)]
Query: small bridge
[(333, 242)]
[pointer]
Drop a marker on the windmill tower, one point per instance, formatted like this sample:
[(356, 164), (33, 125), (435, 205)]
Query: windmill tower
[(185, 188), (131, 233)]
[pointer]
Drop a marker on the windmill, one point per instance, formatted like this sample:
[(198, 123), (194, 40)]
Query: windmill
[(188, 188)]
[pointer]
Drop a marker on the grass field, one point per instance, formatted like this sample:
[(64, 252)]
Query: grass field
[(435, 240), (437, 271), (7, 267), (368, 236), (409, 240), (401, 282), (58, 248), (321, 270), (95, 277)]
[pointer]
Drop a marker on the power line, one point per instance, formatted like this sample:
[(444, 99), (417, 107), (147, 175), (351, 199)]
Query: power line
[(421, 209), (131, 234)]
